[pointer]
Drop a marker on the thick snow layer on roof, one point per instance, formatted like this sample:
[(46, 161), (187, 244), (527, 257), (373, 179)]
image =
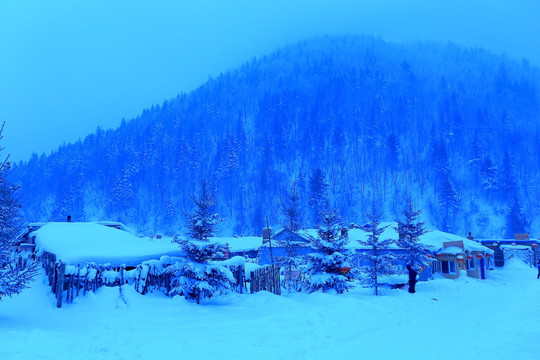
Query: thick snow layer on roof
[(239, 244), (451, 250), (90, 242), (433, 240), (515, 247), (116, 224)]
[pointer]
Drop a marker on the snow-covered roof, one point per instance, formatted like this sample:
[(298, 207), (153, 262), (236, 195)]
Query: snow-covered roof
[(451, 250), (515, 247), (303, 234), (239, 244), (433, 240), (91, 242), (116, 224)]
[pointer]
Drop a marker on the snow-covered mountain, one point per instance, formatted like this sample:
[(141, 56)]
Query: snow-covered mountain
[(456, 129)]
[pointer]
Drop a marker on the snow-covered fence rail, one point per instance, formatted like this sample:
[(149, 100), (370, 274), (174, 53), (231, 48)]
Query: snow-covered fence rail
[(69, 281), (266, 278), (149, 277)]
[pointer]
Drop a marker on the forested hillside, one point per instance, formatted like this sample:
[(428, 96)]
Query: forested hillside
[(456, 129)]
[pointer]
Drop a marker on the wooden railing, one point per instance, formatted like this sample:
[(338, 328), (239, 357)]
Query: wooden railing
[(266, 278)]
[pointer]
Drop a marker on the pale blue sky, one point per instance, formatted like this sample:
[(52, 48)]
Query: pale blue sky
[(67, 66)]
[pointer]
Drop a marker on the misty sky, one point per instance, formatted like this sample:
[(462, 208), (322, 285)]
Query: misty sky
[(67, 66)]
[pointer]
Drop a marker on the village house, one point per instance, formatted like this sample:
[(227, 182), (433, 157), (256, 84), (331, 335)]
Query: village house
[(449, 253), (79, 257), (283, 243), (466, 255), (522, 246)]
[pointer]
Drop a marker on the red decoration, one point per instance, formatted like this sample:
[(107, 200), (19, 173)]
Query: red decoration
[(470, 257), (438, 255), (534, 246), (459, 259), (344, 270), (479, 256), (429, 256), (488, 254)]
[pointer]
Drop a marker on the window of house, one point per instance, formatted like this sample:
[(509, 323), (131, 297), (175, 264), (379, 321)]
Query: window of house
[(471, 264), (434, 266), (448, 267)]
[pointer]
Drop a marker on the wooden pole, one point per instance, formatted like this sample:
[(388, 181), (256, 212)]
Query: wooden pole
[(60, 284), (78, 277), (270, 242)]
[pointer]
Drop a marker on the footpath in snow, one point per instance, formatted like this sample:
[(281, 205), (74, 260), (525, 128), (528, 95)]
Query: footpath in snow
[(466, 318)]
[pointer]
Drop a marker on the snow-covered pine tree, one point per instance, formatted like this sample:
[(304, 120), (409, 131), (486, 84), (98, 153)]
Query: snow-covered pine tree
[(410, 230), (318, 195), (198, 277), (515, 220), (202, 221), (324, 268), (376, 261), (14, 275), (291, 220), (489, 176), (448, 200)]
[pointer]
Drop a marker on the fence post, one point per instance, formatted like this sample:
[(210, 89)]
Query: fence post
[(78, 278), (60, 284)]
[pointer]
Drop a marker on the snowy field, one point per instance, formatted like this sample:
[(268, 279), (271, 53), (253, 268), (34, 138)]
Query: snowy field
[(498, 318)]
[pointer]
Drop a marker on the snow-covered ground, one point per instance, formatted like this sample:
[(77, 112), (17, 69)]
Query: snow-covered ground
[(498, 318)]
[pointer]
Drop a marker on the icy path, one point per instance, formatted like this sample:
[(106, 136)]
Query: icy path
[(497, 318)]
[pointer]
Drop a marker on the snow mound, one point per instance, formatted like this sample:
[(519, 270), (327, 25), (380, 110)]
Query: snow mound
[(515, 263)]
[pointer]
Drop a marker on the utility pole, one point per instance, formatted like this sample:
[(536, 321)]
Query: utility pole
[(270, 241)]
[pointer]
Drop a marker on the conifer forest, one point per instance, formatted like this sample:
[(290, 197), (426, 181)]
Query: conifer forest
[(350, 120)]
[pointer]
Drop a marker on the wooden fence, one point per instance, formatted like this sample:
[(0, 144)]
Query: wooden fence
[(266, 278), (68, 281)]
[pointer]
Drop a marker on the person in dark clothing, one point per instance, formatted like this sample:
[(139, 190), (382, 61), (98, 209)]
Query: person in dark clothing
[(538, 276), (412, 279)]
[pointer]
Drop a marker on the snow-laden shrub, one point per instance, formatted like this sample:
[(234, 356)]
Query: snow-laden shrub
[(196, 281)]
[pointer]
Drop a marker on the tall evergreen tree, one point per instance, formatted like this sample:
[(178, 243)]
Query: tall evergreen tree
[(318, 195), (515, 220), (16, 270), (410, 229), (326, 266), (508, 182), (448, 200), (392, 143), (291, 220), (378, 261), (202, 221), (291, 211), (198, 278), (489, 176)]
